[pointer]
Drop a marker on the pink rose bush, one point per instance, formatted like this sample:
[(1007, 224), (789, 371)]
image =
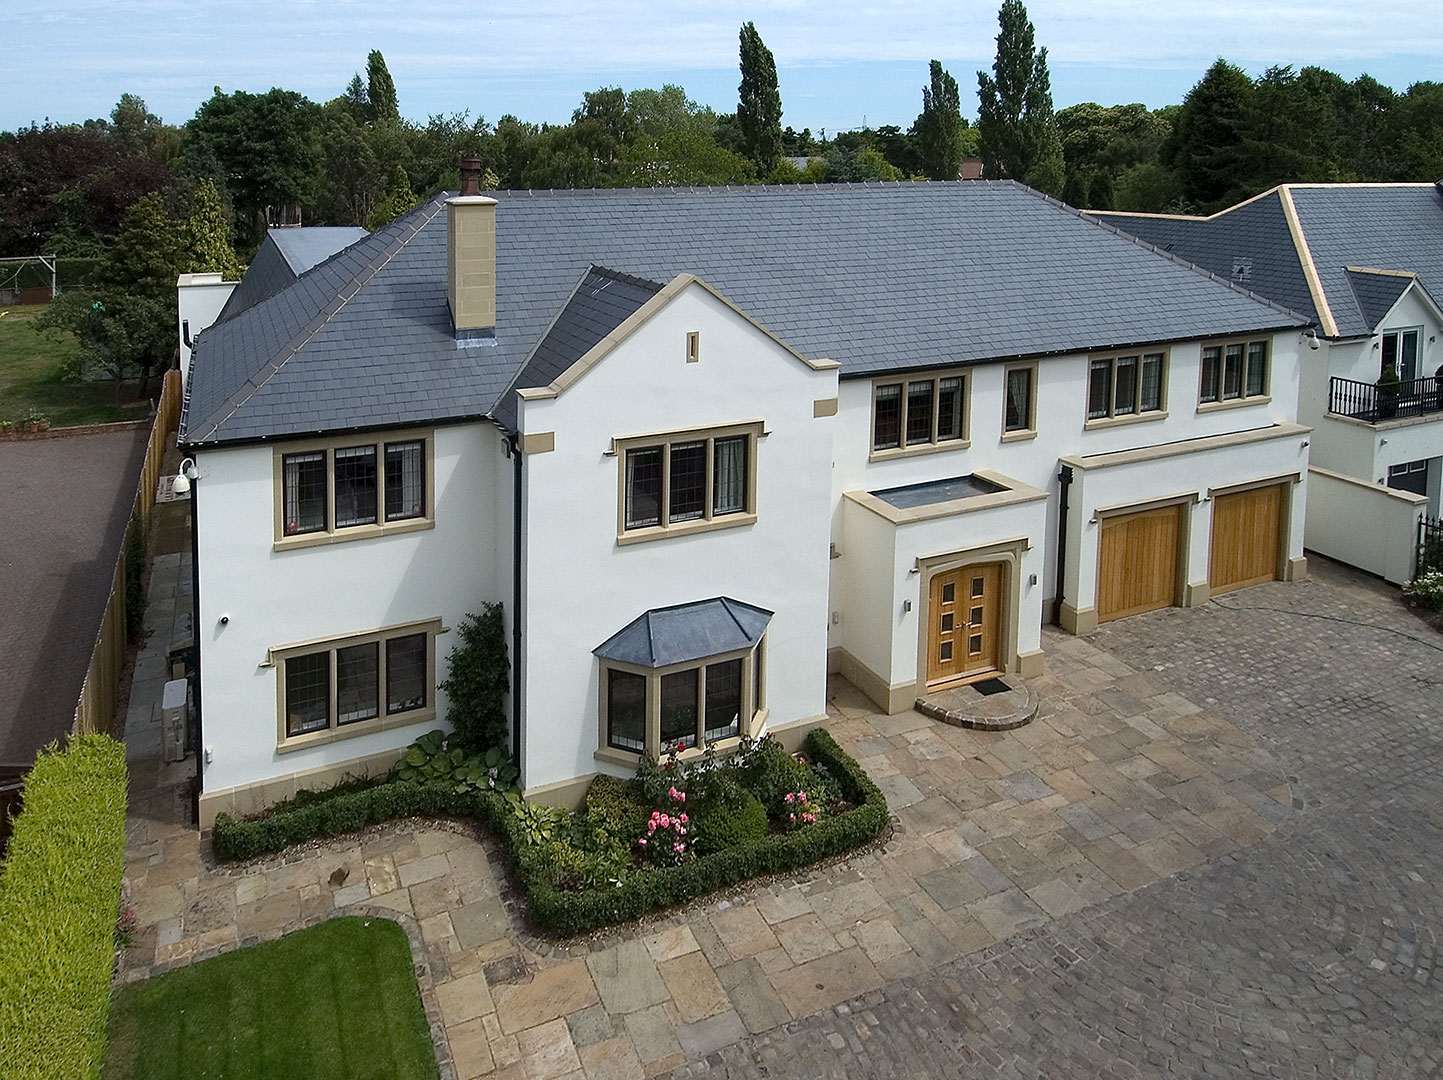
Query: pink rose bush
[(664, 842), (800, 810)]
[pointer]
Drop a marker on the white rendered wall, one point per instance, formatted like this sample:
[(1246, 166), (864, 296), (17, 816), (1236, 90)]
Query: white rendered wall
[(1363, 525), (200, 299), (1122, 485), (1061, 412), (582, 587), (273, 598)]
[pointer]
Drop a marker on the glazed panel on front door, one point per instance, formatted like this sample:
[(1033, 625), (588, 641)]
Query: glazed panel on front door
[(963, 614)]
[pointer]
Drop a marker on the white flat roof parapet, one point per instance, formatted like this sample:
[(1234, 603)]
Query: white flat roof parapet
[(1186, 446)]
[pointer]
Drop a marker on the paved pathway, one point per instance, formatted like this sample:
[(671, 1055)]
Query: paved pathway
[(1312, 953), (1119, 782)]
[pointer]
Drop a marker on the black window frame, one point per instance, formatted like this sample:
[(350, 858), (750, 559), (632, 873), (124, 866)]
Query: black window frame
[(1110, 367), (1223, 382)]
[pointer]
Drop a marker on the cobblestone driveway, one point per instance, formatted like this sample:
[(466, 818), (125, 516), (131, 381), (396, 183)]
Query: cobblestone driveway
[(1312, 953)]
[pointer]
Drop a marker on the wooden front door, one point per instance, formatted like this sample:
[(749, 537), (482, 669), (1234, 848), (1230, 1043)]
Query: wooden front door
[(1246, 538), (1137, 562), (964, 613)]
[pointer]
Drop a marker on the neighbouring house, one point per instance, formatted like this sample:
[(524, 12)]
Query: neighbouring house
[(1365, 263), (705, 446)]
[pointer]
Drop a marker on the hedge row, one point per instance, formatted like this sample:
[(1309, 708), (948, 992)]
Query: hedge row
[(578, 911), (59, 898)]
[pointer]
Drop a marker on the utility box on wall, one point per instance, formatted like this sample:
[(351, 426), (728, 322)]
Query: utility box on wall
[(174, 715)]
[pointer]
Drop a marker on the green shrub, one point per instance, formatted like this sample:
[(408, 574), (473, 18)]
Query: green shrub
[(730, 816), (59, 899), (612, 807), (438, 757), (534, 838), (477, 681), (771, 773)]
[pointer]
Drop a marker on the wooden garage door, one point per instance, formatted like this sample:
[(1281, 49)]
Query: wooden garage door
[(1137, 568), (1245, 540)]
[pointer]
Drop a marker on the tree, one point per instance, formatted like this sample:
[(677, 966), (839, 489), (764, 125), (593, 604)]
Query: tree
[(399, 200), (267, 146), (1018, 133), (126, 324), (659, 112), (382, 106), (1415, 128), (681, 158), (759, 108), (205, 238), (355, 100), (939, 128), (135, 127), (1205, 148), (603, 125)]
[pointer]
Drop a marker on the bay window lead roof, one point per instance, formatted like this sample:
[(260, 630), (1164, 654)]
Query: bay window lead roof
[(686, 633)]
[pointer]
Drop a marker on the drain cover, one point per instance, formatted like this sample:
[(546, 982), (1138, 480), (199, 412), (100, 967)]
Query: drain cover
[(988, 687)]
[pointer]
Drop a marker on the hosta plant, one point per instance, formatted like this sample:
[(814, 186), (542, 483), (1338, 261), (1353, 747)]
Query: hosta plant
[(434, 759)]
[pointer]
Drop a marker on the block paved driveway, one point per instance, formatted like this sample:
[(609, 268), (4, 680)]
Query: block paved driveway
[(1311, 953)]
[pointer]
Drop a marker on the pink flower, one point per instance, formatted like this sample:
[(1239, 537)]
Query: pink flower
[(681, 818), (651, 826), (794, 817), (642, 841), (655, 814), (665, 821), (803, 794), (790, 796), (678, 848)]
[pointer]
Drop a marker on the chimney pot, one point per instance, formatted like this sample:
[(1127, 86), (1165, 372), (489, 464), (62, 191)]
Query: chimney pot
[(470, 175)]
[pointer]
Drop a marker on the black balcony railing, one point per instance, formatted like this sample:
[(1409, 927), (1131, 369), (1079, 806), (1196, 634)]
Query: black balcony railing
[(1371, 402)]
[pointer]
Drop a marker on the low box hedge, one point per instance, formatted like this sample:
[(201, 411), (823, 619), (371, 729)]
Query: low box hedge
[(59, 898), (564, 911)]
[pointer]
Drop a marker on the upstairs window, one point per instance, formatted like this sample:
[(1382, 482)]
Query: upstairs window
[(687, 480), (1019, 406), (1127, 385), (924, 412), (349, 489), (1233, 371)]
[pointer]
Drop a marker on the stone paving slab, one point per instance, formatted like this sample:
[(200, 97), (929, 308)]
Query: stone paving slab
[(1115, 785)]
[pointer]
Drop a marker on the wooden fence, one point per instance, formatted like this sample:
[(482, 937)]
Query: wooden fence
[(96, 708)]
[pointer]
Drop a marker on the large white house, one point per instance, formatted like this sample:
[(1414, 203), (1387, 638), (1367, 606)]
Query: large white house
[(706, 446), (1364, 262)]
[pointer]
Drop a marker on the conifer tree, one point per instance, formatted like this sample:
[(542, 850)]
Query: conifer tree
[(1018, 132), (939, 128), (381, 90), (759, 110), (206, 235)]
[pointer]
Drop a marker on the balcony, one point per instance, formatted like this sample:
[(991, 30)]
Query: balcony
[(1367, 402)]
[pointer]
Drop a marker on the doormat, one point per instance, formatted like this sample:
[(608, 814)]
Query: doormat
[(988, 687)]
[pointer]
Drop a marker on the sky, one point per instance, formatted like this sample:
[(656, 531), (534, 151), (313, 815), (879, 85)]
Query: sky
[(840, 63)]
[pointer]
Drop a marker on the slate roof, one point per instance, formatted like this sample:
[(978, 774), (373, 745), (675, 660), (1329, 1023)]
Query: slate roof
[(1248, 244), (1375, 293), (1379, 226), (686, 633), (284, 255), (1385, 226), (603, 300), (879, 277)]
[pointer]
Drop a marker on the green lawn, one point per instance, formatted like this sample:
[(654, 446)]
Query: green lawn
[(30, 366), (335, 1002)]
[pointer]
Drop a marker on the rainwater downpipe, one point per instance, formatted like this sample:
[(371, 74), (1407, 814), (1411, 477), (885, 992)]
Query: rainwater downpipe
[(1064, 479), (514, 444)]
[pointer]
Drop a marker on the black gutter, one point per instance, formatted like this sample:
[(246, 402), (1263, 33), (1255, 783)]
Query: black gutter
[(513, 444), (1064, 478), (195, 725)]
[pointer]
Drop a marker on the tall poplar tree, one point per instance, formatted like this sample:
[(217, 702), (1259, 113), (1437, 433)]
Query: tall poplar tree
[(1018, 132), (381, 90), (759, 110), (939, 128), (205, 236)]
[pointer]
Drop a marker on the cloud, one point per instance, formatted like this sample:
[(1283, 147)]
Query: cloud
[(68, 54)]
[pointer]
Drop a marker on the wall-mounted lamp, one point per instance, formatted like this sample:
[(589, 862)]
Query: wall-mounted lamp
[(188, 472), (906, 605), (1304, 446), (1311, 337)]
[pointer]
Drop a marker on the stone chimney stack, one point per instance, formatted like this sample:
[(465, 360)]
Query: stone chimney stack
[(471, 254)]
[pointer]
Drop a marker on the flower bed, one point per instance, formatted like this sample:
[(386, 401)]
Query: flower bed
[(704, 828)]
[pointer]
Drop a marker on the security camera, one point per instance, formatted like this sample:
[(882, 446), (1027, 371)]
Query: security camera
[(225, 620)]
